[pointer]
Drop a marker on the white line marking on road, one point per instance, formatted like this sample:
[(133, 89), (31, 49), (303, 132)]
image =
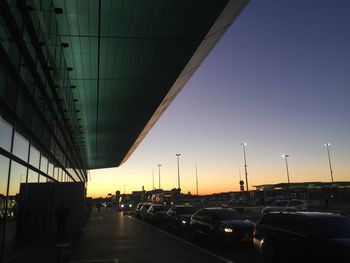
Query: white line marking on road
[(185, 242)]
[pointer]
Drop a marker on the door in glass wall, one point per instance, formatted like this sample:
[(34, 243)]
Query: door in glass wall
[(14, 209), (4, 166)]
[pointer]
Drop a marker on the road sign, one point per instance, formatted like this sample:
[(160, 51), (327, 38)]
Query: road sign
[(241, 182), (242, 187)]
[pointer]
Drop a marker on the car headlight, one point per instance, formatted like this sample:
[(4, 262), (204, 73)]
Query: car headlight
[(122, 206), (183, 222), (228, 230), (130, 205)]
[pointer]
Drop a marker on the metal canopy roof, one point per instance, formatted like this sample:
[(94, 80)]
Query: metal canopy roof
[(130, 59)]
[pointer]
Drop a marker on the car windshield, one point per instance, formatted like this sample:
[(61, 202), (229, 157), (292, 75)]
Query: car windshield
[(296, 202), (226, 214), (279, 203), (160, 208), (333, 227), (185, 210)]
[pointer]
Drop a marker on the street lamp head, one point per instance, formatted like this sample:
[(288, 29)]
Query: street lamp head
[(285, 155), (177, 154), (327, 144), (244, 143), (159, 165)]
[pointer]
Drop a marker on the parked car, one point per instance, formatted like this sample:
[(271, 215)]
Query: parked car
[(143, 210), (285, 205), (179, 216), (156, 213), (241, 201), (138, 210), (303, 237), (221, 224)]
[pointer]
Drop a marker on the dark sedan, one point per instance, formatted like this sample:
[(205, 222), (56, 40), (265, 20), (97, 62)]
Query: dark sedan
[(221, 224), (156, 213), (179, 216), (303, 237)]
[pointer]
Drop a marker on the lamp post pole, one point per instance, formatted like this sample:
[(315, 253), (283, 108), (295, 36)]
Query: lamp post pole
[(153, 179), (285, 156), (159, 165), (178, 170), (196, 178), (329, 160), (245, 165)]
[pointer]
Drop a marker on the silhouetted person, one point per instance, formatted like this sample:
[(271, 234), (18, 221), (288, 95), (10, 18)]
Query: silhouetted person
[(98, 206), (61, 214)]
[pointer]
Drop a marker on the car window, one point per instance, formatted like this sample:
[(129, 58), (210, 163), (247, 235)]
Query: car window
[(279, 203), (295, 202), (333, 227), (186, 210), (226, 214), (302, 226), (268, 220), (160, 208), (201, 213)]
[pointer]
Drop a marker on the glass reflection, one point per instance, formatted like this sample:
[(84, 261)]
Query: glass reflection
[(20, 147), (5, 135), (34, 157), (4, 166)]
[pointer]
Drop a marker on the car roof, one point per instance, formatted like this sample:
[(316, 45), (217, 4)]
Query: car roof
[(183, 206), (308, 214)]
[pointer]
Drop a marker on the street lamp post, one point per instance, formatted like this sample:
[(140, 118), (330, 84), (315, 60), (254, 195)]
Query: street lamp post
[(245, 165), (196, 178), (153, 179), (159, 165), (329, 160), (285, 156), (178, 170)]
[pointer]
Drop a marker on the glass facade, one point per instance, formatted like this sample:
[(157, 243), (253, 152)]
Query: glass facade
[(39, 126)]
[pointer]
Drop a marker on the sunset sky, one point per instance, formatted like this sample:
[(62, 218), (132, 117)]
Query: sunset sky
[(279, 80)]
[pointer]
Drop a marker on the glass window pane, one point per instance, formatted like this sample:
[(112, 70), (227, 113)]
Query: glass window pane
[(51, 169), (4, 167), (43, 164), (20, 147), (42, 179), (32, 176), (34, 157), (5, 135)]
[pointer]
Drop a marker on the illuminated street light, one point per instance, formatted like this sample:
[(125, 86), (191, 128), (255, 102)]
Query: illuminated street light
[(178, 170), (329, 160), (159, 165)]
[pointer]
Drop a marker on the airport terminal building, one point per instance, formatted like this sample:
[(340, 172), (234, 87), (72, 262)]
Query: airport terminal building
[(81, 84)]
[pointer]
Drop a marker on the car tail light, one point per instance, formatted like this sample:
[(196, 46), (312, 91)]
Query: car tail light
[(254, 231)]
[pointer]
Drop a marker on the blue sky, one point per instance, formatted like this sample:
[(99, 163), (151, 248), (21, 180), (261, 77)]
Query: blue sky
[(279, 79)]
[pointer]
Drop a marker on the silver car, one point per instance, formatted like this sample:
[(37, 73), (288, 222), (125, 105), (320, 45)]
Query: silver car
[(285, 205)]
